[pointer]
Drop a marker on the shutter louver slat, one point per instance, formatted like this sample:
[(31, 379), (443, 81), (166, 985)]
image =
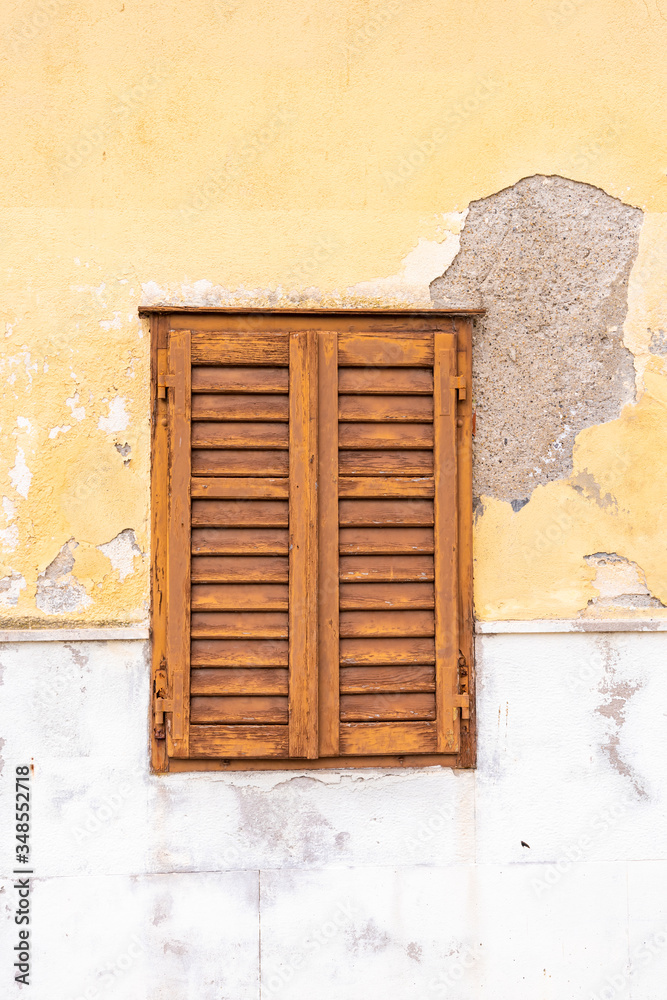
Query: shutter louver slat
[(244, 680), (375, 738), (238, 741)]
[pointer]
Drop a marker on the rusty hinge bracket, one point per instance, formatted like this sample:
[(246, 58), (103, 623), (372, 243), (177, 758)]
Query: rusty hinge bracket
[(459, 382), (164, 377), (162, 703), (462, 701)]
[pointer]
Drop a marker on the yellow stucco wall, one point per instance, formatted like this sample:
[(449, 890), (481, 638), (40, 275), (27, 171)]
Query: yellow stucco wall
[(230, 152)]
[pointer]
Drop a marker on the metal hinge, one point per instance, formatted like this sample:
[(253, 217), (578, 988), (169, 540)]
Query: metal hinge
[(459, 382), (462, 701), (164, 377), (162, 703)]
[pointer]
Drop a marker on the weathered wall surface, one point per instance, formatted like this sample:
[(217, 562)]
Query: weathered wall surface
[(372, 154), (216, 154), (549, 260), (355, 884), (569, 469)]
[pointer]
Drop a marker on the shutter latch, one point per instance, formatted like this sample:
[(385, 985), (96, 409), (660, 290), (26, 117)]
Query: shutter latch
[(164, 377), (162, 703)]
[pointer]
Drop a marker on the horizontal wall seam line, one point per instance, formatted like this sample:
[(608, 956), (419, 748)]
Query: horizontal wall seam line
[(572, 625), (75, 634)]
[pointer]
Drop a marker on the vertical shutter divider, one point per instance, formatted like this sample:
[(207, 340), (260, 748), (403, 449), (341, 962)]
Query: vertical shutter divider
[(446, 547), (178, 558), (302, 628), (328, 642)]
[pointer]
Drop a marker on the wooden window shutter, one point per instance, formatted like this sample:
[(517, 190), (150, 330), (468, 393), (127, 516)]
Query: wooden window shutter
[(389, 644), (311, 578)]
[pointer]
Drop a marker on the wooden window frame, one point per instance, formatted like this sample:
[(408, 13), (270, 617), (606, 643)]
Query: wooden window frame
[(167, 319)]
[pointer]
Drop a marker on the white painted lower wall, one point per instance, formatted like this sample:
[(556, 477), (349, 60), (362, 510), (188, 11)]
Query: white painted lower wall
[(349, 885)]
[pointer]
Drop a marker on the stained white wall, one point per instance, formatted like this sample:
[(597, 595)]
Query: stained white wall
[(348, 885)]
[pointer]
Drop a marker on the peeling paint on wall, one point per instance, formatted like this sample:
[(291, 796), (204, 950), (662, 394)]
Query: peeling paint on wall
[(57, 590), (532, 563), (558, 266), (616, 693), (549, 260)]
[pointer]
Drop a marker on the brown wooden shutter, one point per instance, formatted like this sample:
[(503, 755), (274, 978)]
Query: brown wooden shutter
[(311, 595), (241, 615), (389, 644)]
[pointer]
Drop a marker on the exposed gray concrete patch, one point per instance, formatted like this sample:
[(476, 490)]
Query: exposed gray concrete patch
[(658, 343), (57, 590), (549, 259), (125, 451)]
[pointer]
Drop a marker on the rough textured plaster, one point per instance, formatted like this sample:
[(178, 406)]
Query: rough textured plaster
[(532, 563), (80, 487), (549, 259), (57, 590), (571, 280)]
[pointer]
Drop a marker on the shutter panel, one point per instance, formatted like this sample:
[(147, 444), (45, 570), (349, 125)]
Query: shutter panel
[(178, 543), (242, 568), (390, 511)]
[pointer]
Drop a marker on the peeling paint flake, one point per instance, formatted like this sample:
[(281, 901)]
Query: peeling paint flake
[(20, 475), (10, 589), (9, 538), (117, 420), (55, 431), (78, 412), (616, 693), (121, 551), (112, 324)]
